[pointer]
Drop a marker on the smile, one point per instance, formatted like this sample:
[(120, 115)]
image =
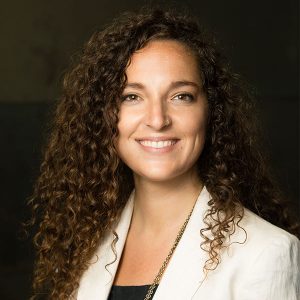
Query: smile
[(158, 147), (160, 144)]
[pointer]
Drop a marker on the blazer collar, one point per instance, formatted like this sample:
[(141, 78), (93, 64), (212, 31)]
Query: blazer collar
[(183, 275), (97, 280)]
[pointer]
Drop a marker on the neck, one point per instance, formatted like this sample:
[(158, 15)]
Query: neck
[(163, 206)]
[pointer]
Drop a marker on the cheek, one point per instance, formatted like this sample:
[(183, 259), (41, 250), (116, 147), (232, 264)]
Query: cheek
[(126, 128), (196, 124), (128, 121), (196, 133)]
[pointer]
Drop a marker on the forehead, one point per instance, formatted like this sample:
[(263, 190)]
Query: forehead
[(168, 57)]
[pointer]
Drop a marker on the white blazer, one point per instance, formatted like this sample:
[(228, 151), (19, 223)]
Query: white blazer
[(265, 267)]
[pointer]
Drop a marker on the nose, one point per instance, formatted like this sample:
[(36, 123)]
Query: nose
[(156, 115)]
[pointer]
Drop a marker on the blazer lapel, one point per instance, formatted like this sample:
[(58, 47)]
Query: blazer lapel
[(184, 273), (98, 278)]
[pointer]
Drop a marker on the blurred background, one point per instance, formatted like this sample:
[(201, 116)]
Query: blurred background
[(260, 39)]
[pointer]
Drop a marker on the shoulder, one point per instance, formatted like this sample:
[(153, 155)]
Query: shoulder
[(253, 237), (272, 256), (266, 245), (256, 243), (262, 232), (263, 259)]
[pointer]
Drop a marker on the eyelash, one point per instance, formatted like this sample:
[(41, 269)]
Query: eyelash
[(124, 98), (185, 95)]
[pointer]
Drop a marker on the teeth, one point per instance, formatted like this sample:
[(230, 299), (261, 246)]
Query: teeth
[(160, 144)]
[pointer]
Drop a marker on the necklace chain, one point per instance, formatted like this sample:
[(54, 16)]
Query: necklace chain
[(166, 261)]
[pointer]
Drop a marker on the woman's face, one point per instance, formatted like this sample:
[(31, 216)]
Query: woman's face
[(163, 113)]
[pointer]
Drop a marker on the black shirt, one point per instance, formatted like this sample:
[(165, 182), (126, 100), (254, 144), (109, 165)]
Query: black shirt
[(119, 292)]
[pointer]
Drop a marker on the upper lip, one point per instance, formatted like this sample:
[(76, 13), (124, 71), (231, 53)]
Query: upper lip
[(157, 138)]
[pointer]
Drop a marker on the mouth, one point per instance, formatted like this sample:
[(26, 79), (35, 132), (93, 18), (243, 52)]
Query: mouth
[(158, 146)]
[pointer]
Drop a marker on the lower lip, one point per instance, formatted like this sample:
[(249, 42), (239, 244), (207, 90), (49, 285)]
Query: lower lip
[(159, 150)]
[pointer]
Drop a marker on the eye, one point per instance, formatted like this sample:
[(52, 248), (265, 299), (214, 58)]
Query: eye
[(184, 97), (130, 98)]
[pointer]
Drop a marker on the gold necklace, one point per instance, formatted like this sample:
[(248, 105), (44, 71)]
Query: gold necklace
[(166, 261)]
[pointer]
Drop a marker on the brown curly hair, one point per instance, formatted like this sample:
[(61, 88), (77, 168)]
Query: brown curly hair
[(83, 185)]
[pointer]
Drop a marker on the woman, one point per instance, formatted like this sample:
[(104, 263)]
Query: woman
[(152, 182)]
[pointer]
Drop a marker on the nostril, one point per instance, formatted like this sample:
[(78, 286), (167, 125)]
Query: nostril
[(158, 122)]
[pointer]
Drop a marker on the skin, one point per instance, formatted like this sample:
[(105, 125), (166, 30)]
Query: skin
[(155, 104)]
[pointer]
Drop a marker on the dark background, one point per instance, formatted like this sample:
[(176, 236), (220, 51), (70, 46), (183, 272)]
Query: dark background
[(260, 38)]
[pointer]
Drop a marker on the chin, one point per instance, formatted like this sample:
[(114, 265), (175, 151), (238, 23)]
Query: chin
[(155, 175)]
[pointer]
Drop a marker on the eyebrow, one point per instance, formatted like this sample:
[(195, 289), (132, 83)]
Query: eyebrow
[(173, 84)]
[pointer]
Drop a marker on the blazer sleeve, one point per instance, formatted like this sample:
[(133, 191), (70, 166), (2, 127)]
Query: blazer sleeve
[(274, 274)]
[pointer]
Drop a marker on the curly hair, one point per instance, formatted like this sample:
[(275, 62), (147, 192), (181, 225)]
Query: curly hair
[(83, 185)]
